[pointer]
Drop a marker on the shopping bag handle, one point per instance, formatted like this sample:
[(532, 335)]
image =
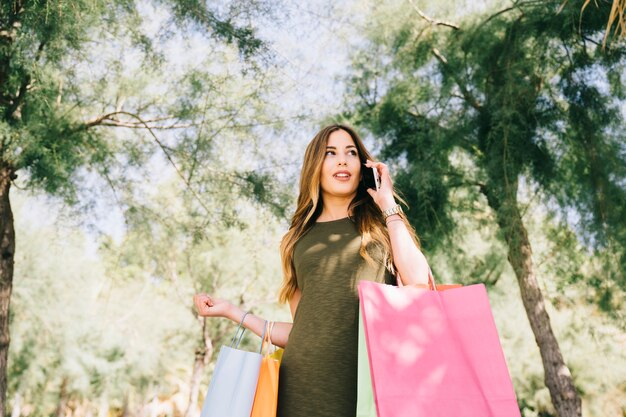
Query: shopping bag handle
[(240, 327), (269, 336), (267, 340), (263, 337), (238, 336), (270, 344), (273, 347), (431, 281)]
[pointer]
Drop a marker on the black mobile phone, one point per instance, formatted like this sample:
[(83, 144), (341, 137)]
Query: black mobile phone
[(371, 179)]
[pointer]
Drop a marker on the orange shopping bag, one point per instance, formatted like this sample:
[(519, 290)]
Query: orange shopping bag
[(266, 396)]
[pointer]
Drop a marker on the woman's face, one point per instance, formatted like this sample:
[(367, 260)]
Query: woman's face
[(341, 170)]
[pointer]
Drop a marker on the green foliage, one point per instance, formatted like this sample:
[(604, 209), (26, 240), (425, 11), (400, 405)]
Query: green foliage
[(120, 325), (563, 267), (197, 13), (518, 111), (165, 101), (183, 253), (520, 94), (61, 61)]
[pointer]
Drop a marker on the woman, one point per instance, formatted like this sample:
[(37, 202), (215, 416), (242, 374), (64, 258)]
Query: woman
[(341, 233)]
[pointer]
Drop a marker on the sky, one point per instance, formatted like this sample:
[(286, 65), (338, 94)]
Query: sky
[(311, 42)]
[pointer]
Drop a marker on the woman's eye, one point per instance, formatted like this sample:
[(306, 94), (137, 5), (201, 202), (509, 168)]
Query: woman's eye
[(330, 153), (353, 153)]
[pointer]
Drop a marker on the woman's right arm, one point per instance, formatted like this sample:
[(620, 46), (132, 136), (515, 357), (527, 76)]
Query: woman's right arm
[(208, 306)]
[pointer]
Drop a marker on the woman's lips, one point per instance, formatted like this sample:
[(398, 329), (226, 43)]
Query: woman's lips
[(342, 175)]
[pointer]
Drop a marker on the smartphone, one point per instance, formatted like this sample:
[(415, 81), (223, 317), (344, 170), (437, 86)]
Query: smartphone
[(371, 179)]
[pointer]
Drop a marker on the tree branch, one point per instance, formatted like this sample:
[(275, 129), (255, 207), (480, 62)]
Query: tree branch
[(493, 16), (164, 149), (8, 34), (14, 110), (131, 125), (434, 21), (469, 98), (109, 119), (517, 5)]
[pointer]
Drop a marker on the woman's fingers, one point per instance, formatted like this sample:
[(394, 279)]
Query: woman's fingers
[(383, 197), (198, 302), (380, 166), (203, 303), (383, 171)]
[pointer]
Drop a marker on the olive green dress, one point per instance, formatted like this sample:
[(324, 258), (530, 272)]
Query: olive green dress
[(318, 373)]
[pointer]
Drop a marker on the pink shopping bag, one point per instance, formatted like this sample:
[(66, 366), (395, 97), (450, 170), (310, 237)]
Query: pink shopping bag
[(435, 353)]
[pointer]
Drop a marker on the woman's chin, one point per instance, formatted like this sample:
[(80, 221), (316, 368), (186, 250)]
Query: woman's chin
[(347, 192)]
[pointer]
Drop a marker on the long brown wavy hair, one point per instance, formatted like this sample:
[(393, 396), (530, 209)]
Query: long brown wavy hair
[(363, 210)]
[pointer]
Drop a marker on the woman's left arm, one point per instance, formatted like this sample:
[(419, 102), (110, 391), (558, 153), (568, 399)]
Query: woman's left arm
[(409, 260)]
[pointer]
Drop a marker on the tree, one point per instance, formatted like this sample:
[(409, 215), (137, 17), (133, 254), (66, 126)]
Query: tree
[(524, 97), (617, 18), (119, 330), (169, 240), (54, 117)]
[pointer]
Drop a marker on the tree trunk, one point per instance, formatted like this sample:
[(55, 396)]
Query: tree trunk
[(203, 355), (558, 379), (17, 405), (7, 254), (126, 407), (63, 398), (103, 408)]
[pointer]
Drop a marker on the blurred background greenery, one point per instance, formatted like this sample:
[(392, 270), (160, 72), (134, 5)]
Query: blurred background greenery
[(151, 150)]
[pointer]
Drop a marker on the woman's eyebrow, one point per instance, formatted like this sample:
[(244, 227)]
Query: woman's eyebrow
[(347, 147)]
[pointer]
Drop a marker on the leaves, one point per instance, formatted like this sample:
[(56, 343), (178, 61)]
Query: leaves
[(523, 94), (519, 105)]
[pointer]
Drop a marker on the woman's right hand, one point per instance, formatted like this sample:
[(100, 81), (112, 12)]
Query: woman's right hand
[(208, 306)]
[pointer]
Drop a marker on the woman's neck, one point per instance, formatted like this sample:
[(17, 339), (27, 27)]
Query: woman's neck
[(334, 208)]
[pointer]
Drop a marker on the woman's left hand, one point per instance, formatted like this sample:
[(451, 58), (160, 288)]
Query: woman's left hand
[(384, 196)]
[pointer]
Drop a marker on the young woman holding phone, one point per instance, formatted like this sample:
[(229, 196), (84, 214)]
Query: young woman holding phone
[(342, 232)]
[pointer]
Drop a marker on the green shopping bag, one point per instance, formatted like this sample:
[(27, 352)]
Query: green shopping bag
[(365, 406)]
